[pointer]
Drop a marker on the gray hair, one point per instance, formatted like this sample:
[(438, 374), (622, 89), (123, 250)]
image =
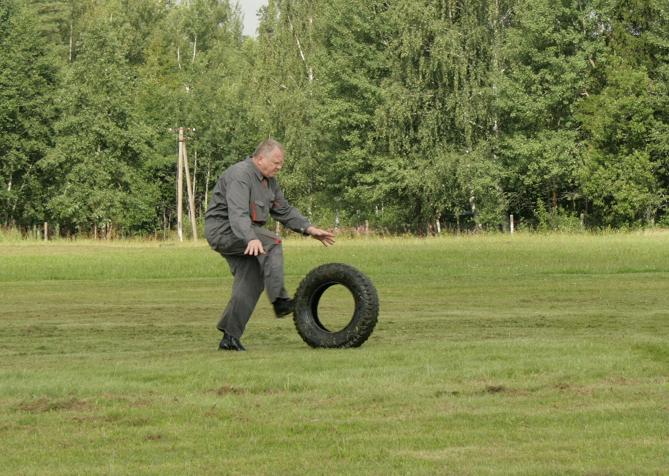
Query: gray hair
[(268, 146)]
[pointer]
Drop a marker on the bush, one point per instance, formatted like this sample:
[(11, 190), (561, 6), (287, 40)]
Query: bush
[(557, 219)]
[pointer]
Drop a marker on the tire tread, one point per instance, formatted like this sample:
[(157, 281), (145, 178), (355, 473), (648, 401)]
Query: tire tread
[(365, 314)]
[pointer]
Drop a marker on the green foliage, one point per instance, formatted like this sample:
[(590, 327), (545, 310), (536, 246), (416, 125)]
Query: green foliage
[(27, 93), (195, 75), (349, 70), (624, 161), (547, 70), (102, 143), (402, 113), (557, 219)]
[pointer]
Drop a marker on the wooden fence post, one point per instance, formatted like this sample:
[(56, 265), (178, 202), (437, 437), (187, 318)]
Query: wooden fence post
[(511, 225)]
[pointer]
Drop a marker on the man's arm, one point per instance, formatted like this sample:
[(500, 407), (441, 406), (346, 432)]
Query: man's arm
[(285, 213), (324, 236), (238, 196), (288, 215)]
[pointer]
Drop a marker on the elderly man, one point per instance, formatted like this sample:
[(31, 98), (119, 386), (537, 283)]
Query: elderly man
[(243, 199)]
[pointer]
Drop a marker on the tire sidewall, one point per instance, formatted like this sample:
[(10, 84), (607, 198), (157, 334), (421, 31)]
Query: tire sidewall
[(365, 311)]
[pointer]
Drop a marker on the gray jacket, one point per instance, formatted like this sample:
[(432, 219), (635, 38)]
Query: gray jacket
[(243, 199)]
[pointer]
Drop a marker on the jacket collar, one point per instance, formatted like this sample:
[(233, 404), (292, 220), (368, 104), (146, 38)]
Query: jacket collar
[(253, 167)]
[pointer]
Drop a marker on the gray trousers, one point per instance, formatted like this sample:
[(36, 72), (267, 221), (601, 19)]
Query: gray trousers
[(251, 274)]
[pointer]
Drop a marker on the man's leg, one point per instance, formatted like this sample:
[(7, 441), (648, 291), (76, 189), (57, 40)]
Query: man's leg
[(271, 264), (246, 289), (269, 268)]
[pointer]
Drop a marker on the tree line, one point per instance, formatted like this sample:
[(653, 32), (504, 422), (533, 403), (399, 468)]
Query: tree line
[(409, 115)]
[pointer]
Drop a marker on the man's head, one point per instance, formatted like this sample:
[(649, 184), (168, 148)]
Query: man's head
[(268, 157)]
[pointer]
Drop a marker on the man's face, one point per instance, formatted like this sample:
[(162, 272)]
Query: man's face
[(270, 164)]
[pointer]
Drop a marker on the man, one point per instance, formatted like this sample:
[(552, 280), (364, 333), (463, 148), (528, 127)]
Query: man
[(243, 199)]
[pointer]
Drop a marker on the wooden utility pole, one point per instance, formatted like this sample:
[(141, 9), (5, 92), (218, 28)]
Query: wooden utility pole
[(189, 188), (180, 187), (182, 166)]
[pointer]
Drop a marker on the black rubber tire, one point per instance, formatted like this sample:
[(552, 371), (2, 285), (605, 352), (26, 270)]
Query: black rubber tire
[(309, 293)]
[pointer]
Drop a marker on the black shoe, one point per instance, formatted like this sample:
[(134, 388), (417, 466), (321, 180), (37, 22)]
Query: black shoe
[(238, 343), (229, 342), (283, 307)]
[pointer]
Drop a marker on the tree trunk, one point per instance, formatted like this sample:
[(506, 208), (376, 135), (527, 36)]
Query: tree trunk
[(496, 47), (195, 179), (71, 38), (554, 200), (206, 186), (189, 189), (310, 71)]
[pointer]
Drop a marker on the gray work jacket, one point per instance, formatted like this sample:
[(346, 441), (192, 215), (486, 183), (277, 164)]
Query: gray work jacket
[(244, 198)]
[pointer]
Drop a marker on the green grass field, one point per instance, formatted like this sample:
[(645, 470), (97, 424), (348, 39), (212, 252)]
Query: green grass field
[(492, 355)]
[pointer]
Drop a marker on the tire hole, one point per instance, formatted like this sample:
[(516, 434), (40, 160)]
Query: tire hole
[(336, 308)]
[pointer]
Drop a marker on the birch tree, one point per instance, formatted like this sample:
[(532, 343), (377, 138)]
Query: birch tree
[(27, 93)]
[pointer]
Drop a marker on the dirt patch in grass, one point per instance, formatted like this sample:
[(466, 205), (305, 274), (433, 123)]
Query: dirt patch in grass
[(487, 390), (230, 390), (502, 389), (114, 419), (43, 405), (495, 389), (562, 386), (447, 393), (130, 402), (140, 403)]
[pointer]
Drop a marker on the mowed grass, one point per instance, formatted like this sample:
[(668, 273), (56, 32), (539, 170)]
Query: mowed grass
[(492, 355)]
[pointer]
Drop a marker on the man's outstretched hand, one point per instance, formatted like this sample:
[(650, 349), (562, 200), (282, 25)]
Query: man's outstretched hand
[(325, 237), (254, 248)]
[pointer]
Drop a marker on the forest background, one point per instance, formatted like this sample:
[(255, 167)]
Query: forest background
[(409, 115)]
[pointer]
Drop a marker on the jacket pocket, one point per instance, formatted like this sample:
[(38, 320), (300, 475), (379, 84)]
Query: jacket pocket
[(259, 211)]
